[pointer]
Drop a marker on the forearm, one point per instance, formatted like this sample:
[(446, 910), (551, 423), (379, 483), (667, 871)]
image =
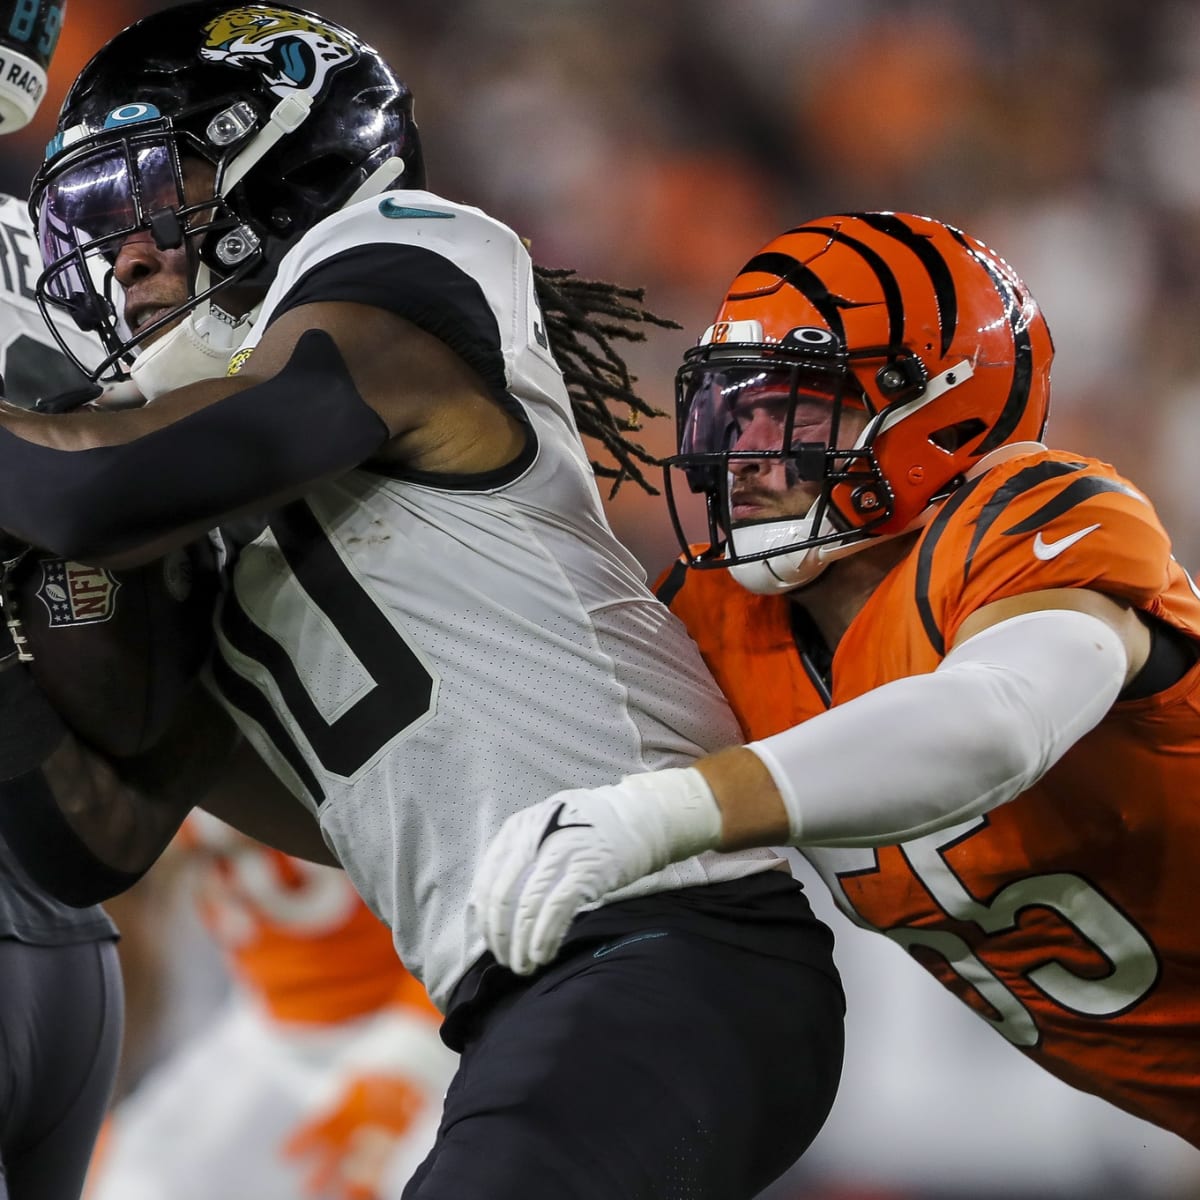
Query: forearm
[(86, 827), (752, 810), (92, 485), (66, 479), (252, 800), (117, 819)]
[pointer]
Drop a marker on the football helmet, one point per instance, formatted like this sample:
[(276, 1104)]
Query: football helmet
[(296, 116), (918, 340), (28, 34)]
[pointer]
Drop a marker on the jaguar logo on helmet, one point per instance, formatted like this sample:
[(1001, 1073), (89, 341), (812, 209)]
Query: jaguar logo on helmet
[(292, 52)]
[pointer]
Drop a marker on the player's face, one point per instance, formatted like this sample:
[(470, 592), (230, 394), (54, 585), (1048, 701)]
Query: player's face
[(155, 281), (770, 489)]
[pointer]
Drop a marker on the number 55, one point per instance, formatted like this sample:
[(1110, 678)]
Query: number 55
[(1133, 965)]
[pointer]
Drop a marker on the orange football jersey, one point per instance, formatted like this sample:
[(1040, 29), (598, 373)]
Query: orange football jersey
[(295, 934), (1064, 918)]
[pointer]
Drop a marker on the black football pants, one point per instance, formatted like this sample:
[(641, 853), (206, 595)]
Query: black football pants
[(659, 1065), (61, 1017)]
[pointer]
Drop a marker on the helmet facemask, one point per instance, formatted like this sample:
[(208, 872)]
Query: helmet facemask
[(777, 438), (111, 188)]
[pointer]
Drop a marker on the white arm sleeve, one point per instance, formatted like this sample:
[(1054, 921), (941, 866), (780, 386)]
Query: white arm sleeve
[(929, 751)]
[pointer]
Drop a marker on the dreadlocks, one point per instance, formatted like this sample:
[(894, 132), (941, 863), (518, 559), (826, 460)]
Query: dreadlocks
[(583, 317)]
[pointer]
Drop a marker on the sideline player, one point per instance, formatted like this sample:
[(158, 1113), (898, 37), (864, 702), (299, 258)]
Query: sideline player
[(994, 645), (61, 1015), (432, 625), (321, 1074)]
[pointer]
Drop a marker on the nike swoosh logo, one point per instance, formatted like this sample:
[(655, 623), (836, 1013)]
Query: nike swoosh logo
[(399, 212), (553, 825), (604, 951), (1047, 550)]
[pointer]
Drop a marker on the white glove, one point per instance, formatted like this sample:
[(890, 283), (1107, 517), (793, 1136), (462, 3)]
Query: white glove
[(551, 860)]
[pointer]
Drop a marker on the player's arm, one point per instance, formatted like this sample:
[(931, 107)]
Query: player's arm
[(86, 826), (985, 726), (330, 385), (1026, 679), (249, 797)]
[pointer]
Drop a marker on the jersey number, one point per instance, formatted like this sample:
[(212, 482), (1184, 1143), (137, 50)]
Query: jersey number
[(24, 24), (345, 635), (1132, 964)]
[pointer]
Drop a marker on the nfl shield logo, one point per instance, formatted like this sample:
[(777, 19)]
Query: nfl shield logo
[(77, 595)]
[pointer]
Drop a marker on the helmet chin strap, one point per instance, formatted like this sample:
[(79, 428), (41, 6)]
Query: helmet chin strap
[(788, 570), (382, 179), (778, 572), (199, 347)]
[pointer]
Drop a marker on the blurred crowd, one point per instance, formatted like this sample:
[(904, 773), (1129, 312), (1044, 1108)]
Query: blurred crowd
[(660, 145)]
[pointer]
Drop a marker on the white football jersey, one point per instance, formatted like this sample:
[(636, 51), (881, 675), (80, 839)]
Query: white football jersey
[(30, 359), (419, 658)]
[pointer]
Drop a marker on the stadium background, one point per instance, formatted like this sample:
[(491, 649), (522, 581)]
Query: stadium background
[(660, 144)]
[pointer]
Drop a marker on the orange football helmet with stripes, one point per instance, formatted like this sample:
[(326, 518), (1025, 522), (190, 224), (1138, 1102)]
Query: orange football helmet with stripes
[(923, 330)]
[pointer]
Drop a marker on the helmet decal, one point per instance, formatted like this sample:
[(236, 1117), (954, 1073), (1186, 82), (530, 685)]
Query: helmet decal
[(932, 260), (791, 272), (126, 114), (290, 51), (1018, 320)]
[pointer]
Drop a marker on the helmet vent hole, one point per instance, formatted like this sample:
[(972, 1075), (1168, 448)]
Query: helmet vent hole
[(952, 438)]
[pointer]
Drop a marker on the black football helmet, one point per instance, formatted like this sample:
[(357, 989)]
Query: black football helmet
[(295, 113), (28, 34)]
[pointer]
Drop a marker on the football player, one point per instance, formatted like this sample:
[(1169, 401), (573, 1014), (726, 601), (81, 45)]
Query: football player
[(322, 1073), (967, 661), (61, 1017), (428, 623)]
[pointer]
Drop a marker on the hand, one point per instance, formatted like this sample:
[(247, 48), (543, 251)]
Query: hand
[(349, 1144), (551, 860)]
